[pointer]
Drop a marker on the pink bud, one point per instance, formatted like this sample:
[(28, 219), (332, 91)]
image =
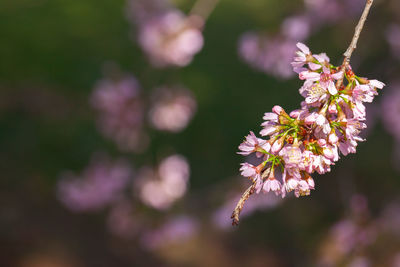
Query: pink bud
[(277, 109), (321, 142), (277, 146), (321, 120), (266, 146), (309, 75), (310, 119), (328, 153), (332, 108), (333, 139), (294, 113)]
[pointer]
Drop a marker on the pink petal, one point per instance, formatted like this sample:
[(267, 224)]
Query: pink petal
[(314, 66), (337, 75), (377, 84), (322, 57), (332, 88), (276, 146), (269, 116), (303, 48), (268, 130)]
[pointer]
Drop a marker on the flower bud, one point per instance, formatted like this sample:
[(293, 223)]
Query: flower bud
[(333, 139), (332, 108), (277, 146), (277, 110), (321, 142)]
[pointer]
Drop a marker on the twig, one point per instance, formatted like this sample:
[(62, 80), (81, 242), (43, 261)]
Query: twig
[(359, 27), (203, 8), (240, 204), (245, 196), (356, 36)]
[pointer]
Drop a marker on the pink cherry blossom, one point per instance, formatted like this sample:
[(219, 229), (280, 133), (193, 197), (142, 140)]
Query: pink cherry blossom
[(271, 124), (327, 80), (314, 93), (248, 170), (272, 185), (302, 56), (311, 139), (251, 144)]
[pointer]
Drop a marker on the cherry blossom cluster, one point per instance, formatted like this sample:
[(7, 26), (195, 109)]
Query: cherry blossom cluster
[(310, 139)]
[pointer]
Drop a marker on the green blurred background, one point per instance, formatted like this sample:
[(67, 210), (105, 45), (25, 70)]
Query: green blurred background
[(52, 53)]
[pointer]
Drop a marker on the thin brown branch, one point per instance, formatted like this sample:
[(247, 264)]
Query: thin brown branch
[(245, 196), (203, 8), (359, 27), (240, 204), (356, 36)]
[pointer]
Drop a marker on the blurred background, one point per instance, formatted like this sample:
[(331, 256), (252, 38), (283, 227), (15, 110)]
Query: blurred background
[(120, 122)]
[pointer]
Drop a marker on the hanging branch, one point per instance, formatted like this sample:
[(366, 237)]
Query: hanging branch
[(279, 118)]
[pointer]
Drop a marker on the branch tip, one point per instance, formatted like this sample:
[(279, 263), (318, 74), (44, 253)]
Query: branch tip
[(240, 204), (354, 40)]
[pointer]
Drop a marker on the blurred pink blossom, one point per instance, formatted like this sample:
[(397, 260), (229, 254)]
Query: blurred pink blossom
[(331, 11), (391, 111), (100, 184), (121, 221), (396, 260), (297, 27), (120, 112), (271, 55), (172, 108), (160, 188), (358, 233), (140, 11), (393, 38), (390, 218), (396, 156), (178, 229), (171, 38), (360, 262)]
